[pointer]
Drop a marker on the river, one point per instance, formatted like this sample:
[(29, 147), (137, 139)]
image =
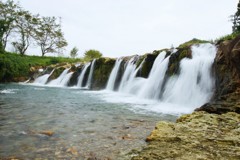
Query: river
[(82, 124)]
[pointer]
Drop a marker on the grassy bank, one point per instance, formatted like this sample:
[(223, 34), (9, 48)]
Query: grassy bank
[(14, 65)]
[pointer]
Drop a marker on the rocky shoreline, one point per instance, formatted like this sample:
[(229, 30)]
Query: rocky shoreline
[(212, 132), (199, 135)]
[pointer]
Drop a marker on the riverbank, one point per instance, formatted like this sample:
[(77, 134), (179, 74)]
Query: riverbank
[(199, 135), (211, 133)]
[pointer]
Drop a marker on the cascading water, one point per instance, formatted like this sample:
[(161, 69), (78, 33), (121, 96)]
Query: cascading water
[(134, 83), (180, 93), (62, 79), (89, 81), (129, 71), (43, 79), (81, 76), (152, 86), (113, 75), (194, 85)]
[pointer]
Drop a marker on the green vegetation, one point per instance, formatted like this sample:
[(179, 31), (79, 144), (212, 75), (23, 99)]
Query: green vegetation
[(92, 54), (27, 29), (73, 52), (191, 42), (236, 20), (102, 70), (14, 66), (227, 37)]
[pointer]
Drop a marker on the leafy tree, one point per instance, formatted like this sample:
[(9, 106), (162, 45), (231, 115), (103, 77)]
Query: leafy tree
[(73, 52), (92, 54), (3, 29), (236, 19), (49, 36), (8, 15), (25, 24)]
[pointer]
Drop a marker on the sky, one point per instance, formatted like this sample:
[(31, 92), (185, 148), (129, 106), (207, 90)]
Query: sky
[(126, 27)]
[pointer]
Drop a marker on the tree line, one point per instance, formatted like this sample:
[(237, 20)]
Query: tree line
[(22, 29)]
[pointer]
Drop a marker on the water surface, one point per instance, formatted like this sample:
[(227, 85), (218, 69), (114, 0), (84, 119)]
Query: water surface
[(85, 123)]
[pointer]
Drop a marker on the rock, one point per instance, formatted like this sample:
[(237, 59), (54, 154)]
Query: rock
[(41, 150), (102, 71), (73, 151), (48, 133), (227, 73), (199, 135), (127, 137)]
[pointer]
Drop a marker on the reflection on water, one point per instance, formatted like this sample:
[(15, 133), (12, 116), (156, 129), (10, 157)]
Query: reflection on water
[(63, 123)]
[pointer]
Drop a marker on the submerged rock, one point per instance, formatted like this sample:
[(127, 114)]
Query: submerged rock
[(73, 151), (199, 135), (47, 133)]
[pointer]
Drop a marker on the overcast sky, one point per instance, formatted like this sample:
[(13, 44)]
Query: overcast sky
[(126, 27)]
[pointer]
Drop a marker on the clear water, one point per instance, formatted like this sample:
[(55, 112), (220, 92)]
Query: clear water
[(85, 123)]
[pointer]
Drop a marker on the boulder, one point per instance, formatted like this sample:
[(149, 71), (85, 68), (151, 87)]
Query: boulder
[(199, 135)]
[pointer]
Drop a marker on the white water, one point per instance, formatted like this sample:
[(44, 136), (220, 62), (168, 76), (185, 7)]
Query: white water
[(180, 94), (113, 75), (89, 82), (194, 85), (151, 88), (81, 76), (128, 75), (190, 89), (62, 80), (43, 79)]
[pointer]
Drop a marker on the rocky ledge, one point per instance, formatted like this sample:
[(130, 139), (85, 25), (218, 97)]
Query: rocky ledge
[(214, 131), (199, 135), (227, 72)]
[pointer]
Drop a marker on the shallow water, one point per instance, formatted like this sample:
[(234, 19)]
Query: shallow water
[(85, 123)]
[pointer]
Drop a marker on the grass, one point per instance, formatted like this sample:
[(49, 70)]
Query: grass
[(192, 42), (14, 65), (227, 37)]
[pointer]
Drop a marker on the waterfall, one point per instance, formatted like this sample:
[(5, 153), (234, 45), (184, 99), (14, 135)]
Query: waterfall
[(89, 81), (128, 74), (113, 75), (66, 79), (61, 80), (81, 76), (152, 86), (194, 85), (191, 88), (43, 79), (134, 83)]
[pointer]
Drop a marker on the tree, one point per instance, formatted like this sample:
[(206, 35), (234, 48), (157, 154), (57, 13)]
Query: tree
[(3, 29), (8, 15), (73, 52), (25, 24), (236, 20), (92, 54), (49, 36)]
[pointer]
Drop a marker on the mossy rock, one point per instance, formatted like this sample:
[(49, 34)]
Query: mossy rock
[(74, 79), (147, 65), (194, 41), (175, 59), (56, 73), (102, 71)]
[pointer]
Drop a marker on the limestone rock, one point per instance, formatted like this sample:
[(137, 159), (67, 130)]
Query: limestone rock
[(199, 135)]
